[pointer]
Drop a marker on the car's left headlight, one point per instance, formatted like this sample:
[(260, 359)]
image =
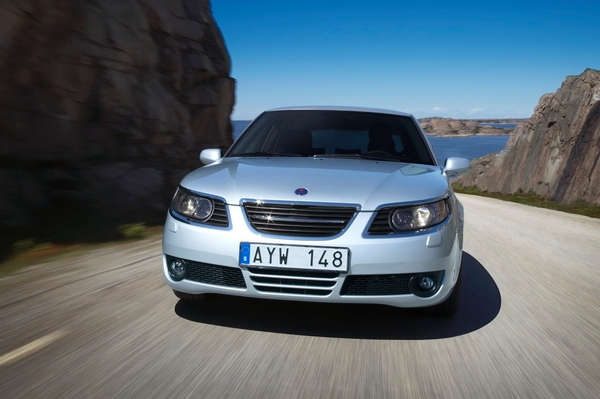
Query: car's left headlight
[(192, 206), (419, 216)]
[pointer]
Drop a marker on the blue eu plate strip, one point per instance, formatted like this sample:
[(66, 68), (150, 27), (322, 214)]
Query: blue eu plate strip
[(244, 253)]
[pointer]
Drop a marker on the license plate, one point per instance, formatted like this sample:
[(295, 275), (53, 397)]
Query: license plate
[(294, 256)]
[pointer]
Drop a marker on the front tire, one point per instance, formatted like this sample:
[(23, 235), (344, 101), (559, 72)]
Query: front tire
[(450, 306)]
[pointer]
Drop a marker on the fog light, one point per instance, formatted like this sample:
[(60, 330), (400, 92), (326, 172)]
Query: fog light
[(425, 285), (426, 282), (177, 269)]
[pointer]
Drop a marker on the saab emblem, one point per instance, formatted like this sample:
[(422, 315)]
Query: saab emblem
[(301, 191)]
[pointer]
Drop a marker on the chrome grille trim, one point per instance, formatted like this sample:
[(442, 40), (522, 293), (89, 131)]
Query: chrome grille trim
[(295, 282), (293, 219), (293, 273), (299, 220)]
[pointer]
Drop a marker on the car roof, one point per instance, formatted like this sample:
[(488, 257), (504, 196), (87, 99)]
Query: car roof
[(339, 108)]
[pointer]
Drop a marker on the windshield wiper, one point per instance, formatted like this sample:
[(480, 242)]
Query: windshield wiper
[(337, 156), (264, 154), (381, 157), (359, 156), (373, 157)]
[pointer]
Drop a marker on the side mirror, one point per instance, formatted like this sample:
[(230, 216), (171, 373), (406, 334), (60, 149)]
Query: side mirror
[(455, 166), (210, 155)]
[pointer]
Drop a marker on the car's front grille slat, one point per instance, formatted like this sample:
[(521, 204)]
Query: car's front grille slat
[(295, 282), (293, 273), (381, 224), (294, 291), (292, 282), (219, 216), (299, 220)]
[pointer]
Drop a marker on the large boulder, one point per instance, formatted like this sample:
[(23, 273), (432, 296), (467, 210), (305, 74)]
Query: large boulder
[(104, 106), (555, 153)]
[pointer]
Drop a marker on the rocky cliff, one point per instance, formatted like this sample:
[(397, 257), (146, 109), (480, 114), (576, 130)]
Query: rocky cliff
[(556, 152), (104, 106)]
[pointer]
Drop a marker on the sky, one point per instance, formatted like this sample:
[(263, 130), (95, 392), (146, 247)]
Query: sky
[(457, 59)]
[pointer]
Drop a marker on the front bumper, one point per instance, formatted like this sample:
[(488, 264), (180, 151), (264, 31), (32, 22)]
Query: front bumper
[(379, 273)]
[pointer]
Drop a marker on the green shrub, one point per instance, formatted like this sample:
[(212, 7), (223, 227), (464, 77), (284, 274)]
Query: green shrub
[(23, 245), (132, 231)]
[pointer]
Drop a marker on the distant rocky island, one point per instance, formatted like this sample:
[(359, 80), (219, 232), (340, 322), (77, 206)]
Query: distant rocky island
[(467, 127)]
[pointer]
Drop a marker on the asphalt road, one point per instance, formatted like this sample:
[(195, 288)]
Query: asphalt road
[(104, 325)]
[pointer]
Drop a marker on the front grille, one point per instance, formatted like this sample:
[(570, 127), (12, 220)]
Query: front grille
[(215, 275), (219, 216), (383, 284), (295, 282), (381, 224), (299, 220)]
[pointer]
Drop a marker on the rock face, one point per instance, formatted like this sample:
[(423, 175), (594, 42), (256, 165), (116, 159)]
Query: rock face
[(461, 127), (556, 152), (105, 105)]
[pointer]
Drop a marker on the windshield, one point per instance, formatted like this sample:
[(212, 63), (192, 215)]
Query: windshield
[(333, 134)]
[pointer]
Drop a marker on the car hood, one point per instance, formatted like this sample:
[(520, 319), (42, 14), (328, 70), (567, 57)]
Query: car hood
[(367, 183)]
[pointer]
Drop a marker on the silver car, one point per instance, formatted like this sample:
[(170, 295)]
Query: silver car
[(336, 204)]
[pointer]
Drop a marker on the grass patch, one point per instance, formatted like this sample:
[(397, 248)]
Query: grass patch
[(30, 252), (579, 207)]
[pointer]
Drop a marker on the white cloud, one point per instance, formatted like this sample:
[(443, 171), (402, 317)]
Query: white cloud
[(475, 111)]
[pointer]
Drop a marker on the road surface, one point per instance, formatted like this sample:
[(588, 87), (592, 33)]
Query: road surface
[(104, 325)]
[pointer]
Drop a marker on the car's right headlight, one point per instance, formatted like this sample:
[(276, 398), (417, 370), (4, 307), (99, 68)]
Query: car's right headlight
[(419, 216), (192, 206)]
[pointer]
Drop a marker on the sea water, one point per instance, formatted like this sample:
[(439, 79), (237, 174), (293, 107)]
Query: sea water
[(469, 147)]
